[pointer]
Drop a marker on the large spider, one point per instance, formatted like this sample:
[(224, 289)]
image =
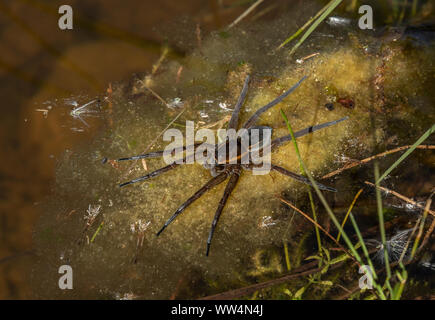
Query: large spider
[(221, 170)]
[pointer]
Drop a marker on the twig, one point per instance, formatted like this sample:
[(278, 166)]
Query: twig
[(420, 230), (407, 153), (219, 122), (155, 94), (244, 14), (405, 248), (236, 293), (349, 293), (310, 219), (398, 195), (348, 212), (302, 60), (427, 235), (198, 36), (180, 69), (360, 162), (263, 12), (318, 226)]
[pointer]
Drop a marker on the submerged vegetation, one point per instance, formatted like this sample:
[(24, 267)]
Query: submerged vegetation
[(275, 239)]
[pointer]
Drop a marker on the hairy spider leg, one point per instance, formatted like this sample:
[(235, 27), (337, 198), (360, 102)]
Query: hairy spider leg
[(234, 177), (278, 141), (209, 185), (300, 178), (251, 121), (158, 171), (157, 154), (232, 124), (151, 175)]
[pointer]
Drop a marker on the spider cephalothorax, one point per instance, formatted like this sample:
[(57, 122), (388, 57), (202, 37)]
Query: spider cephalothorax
[(231, 166)]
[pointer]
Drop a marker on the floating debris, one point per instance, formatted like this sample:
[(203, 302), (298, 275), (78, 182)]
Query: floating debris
[(347, 103), (202, 114), (338, 21), (77, 112), (395, 247), (224, 106), (329, 106), (92, 214), (176, 103), (266, 222)]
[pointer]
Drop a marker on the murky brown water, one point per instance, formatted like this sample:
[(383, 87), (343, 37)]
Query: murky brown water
[(46, 72)]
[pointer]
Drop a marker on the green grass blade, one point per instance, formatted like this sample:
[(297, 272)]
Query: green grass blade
[(382, 228), (363, 245), (313, 208), (297, 33), (287, 259), (316, 23), (407, 153), (324, 202)]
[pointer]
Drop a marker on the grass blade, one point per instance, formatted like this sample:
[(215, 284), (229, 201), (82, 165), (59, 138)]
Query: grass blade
[(313, 208), (407, 153), (330, 7), (297, 33)]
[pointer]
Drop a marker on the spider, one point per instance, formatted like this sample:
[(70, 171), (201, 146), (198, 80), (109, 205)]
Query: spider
[(222, 170)]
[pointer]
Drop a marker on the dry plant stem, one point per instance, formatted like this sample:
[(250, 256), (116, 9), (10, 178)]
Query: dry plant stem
[(263, 12), (156, 95), (420, 231), (157, 65), (364, 161), (244, 14), (309, 56), (427, 235), (237, 293), (349, 293), (318, 225), (198, 36), (398, 195), (431, 228), (220, 123), (349, 211), (409, 239)]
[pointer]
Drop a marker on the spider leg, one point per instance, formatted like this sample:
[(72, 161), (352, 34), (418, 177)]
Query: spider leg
[(159, 171), (257, 114), (235, 116), (157, 154), (300, 178), (210, 184), (152, 174), (278, 141), (234, 177)]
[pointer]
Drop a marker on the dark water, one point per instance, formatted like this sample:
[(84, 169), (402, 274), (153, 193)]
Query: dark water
[(45, 73)]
